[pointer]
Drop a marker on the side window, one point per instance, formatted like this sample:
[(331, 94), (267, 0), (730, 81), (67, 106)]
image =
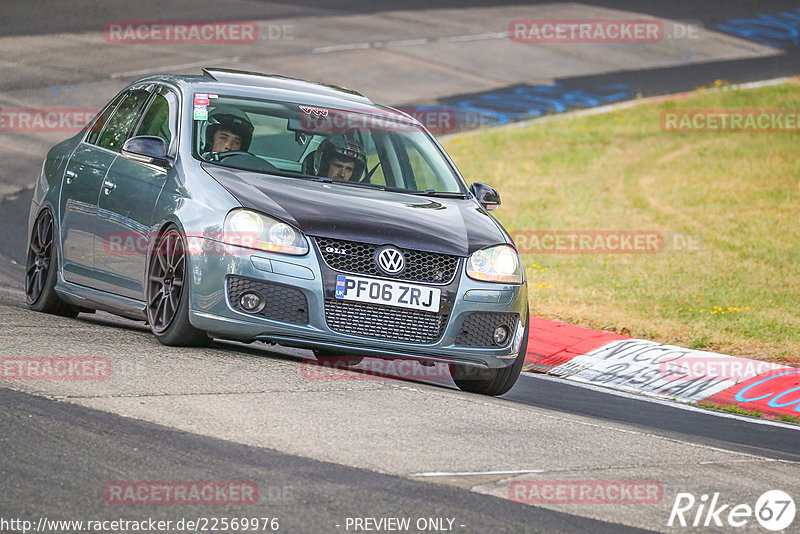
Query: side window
[(97, 127), (158, 120), (116, 131)]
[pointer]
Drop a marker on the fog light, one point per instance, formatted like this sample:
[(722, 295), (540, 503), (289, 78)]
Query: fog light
[(500, 335), (252, 301)]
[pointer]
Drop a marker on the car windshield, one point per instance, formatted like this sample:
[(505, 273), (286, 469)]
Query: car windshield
[(380, 149)]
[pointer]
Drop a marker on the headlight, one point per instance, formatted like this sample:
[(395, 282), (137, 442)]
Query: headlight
[(245, 228), (495, 264)]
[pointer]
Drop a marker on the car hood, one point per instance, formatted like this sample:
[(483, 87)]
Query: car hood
[(442, 225)]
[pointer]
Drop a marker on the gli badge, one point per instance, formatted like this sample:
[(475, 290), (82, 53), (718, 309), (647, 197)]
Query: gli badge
[(335, 250)]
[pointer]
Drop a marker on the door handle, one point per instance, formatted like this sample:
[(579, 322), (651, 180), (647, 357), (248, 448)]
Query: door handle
[(71, 175), (108, 187)]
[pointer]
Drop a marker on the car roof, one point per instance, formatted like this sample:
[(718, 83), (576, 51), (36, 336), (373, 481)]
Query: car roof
[(278, 87), (276, 81)]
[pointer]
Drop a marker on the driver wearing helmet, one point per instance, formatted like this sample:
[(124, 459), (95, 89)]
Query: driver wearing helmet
[(340, 157), (229, 129)]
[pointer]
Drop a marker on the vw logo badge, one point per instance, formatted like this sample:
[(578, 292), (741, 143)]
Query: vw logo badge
[(390, 260)]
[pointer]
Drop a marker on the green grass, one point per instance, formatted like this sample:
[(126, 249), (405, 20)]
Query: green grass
[(701, 342), (731, 408), (789, 418), (737, 195)]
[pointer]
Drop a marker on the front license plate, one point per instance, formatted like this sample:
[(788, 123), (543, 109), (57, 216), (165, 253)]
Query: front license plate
[(388, 293)]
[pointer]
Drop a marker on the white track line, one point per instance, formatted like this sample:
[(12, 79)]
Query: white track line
[(539, 471), (339, 48), (410, 42), (475, 37), (407, 42), (156, 70), (476, 473)]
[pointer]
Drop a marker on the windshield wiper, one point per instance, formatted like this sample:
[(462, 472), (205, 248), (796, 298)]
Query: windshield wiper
[(432, 193), (326, 180)]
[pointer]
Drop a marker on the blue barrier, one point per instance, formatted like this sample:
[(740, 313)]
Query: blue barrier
[(778, 30), (501, 107)]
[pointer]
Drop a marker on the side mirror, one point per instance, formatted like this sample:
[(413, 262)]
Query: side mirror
[(487, 195), (147, 149)]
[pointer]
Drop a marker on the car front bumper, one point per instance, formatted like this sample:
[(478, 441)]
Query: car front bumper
[(213, 266)]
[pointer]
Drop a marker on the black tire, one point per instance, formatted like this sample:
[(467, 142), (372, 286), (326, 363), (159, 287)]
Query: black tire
[(337, 360), (492, 381), (41, 269), (168, 296)]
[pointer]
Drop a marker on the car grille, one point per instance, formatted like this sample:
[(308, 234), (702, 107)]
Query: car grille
[(358, 258), (478, 328), (382, 322), (283, 303)]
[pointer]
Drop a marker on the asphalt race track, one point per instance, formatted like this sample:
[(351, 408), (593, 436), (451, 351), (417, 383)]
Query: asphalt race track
[(304, 494), (325, 452)]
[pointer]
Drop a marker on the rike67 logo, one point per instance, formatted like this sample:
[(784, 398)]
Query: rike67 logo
[(774, 510)]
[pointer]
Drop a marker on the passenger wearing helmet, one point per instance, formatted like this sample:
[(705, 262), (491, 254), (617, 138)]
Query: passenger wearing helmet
[(341, 157), (229, 129)]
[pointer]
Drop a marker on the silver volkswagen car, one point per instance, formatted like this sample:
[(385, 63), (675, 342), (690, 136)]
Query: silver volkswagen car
[(252, 207)]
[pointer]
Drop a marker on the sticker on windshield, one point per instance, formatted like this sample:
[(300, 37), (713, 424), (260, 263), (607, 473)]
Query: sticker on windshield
[(319, 112), (201, 113)]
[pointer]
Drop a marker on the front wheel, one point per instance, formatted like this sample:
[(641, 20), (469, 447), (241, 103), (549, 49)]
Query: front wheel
[(168, 293), (41, 269), (492, 381)]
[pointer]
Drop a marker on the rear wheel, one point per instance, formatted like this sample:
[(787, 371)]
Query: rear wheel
[(168, 293), (337, 360), (492, 381), (41, 270)]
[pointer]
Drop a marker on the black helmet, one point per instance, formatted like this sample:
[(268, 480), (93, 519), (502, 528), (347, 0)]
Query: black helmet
[(345, 147), (232, 119)]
